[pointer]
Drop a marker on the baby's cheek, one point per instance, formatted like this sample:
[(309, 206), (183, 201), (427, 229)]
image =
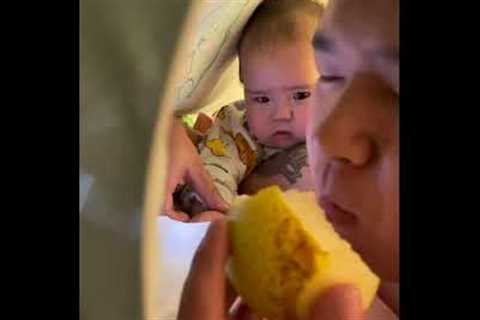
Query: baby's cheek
[(301, 121), (251, 123), (257, 131)]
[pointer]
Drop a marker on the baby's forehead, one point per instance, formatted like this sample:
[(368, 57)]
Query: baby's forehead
[(285, 64), (274, 45)]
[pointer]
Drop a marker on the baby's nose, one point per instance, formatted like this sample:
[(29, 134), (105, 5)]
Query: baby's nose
[(283, 111)]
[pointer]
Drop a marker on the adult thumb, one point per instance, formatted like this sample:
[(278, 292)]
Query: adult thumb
[(341, 302), (203, 184)]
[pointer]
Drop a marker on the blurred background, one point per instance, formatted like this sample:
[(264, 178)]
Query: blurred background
[(126, 48), (132, 262)]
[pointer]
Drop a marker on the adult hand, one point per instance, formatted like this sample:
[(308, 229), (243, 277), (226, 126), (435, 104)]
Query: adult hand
[(207, 294), (342, 302), (185, 166), (207, 216)]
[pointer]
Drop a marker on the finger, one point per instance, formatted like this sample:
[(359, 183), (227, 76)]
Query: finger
[(167, 204), (342, 302), (174, 179), (230, 295), (177, 215), (202, 182), (212, 253), (203, 295), (242, 312), (207, 216)]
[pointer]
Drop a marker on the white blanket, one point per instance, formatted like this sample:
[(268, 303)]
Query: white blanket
[(177, 244)]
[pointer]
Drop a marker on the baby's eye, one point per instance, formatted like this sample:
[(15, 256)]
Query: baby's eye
[(261, 99), (331, 78), (301, 95)]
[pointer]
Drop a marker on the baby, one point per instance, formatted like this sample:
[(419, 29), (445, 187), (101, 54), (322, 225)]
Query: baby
[(277, 69)]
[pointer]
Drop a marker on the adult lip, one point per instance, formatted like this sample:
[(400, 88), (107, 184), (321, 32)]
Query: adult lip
[(336, 213)]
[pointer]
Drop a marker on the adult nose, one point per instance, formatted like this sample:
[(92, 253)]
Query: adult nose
[(352, 131)]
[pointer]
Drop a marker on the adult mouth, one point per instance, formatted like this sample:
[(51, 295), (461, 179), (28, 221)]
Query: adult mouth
[(336, 213)]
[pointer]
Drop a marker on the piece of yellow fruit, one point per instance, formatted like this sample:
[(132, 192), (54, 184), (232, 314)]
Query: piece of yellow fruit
[(285, 253)]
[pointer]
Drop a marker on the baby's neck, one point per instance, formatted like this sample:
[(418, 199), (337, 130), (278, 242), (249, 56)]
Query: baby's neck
[(389, 293)]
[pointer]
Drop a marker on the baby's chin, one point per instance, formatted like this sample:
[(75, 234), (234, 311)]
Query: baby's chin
[(282, 141)]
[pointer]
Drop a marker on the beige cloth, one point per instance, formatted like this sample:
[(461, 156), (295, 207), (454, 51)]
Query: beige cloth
[(126, 49), (229, 151)]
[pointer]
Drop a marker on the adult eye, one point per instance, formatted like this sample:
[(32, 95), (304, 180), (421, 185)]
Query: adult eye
[(301, 95), (331, 78)]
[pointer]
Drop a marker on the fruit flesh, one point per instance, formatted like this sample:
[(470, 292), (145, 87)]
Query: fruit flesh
[(285, 253)]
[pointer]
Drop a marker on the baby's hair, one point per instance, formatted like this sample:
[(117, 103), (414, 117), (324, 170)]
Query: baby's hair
[(279, 22)]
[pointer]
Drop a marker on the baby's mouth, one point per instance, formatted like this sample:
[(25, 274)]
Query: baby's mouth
[(281, 138), (282, 133)]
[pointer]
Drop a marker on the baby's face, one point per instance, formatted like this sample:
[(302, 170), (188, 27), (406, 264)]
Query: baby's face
[(278, 92)]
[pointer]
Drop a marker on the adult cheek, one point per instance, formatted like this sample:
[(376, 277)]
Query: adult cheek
[(313, 152), (393, 210), (385, 236)]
